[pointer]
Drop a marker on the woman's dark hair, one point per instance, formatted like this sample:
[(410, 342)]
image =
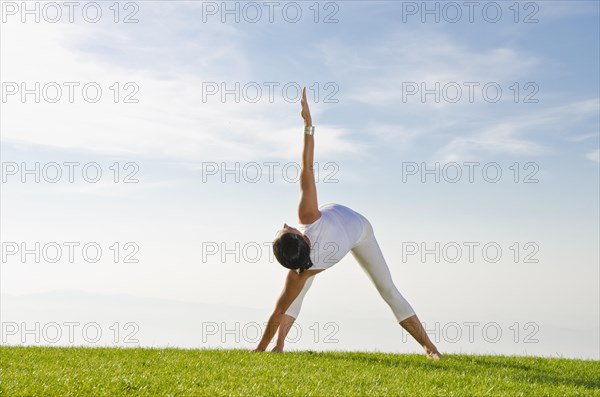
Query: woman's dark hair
[(292, 251)]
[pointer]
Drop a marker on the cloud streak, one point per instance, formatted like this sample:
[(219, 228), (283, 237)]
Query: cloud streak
[(168, 57)]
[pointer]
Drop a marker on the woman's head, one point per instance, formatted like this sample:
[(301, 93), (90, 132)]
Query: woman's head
[(292, 249)]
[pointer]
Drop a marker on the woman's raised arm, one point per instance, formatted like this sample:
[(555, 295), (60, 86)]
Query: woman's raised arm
[(308, 208)]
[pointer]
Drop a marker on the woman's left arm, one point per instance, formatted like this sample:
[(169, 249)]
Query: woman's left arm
[(293, 286)]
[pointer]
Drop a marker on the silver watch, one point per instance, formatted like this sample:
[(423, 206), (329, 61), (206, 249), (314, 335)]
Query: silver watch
[(309, 130)]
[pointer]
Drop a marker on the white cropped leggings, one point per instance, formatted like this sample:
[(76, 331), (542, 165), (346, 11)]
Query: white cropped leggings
[(369, 256)]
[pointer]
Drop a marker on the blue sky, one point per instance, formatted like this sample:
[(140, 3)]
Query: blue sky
[(368, 136)]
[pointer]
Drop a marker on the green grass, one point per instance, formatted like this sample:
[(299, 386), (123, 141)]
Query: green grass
[(47, 371)]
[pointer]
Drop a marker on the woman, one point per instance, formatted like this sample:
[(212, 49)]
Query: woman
[(324, 236)]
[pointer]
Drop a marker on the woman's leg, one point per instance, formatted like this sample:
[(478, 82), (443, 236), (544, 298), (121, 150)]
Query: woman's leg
[(369, 256), (415, 328), (296, 305), (284, 328)]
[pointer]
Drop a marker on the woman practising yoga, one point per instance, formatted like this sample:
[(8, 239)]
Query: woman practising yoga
[(325, 234)]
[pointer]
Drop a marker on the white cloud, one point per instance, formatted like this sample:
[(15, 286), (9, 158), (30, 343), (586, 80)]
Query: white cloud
[(401, 136), (584, 137), (463, 129), (594, 155), (420, 56), (169, 56), (521, 134), (106, 188)]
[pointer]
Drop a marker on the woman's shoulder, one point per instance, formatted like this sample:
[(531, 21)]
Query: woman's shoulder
[(327, 205), (302, 225), (332, 204), (324, 210)]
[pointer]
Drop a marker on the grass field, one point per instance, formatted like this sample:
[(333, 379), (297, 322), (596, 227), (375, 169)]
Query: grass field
[(47, 371)]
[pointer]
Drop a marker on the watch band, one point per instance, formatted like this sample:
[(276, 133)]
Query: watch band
[(309, 130)]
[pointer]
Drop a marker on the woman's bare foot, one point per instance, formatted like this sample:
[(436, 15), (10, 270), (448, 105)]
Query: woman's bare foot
[(415, 328), (433, 354)]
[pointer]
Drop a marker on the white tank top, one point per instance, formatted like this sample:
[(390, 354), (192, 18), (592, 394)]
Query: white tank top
[(333, 235)]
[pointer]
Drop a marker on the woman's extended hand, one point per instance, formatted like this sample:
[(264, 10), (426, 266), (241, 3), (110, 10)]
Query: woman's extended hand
[(305, 110)]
